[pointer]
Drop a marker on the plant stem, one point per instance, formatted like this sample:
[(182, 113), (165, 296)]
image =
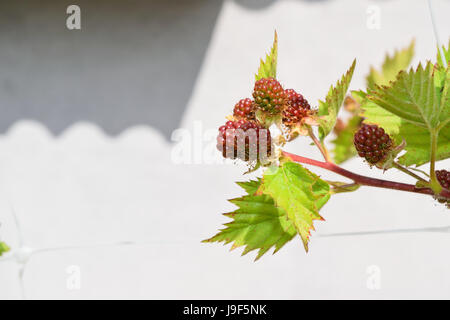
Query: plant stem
[(363, 180), (434, 183), (319, 145), (405, 170)]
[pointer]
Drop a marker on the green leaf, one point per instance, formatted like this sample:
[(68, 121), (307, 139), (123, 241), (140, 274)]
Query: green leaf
[(417, 137), (344, 148), (257, 223), (268, 68), (418, 144), (444, 117), (413, 97), (376, 115), (329, 108), (299, 192), (3, 248), (250, 186), (391, 67)]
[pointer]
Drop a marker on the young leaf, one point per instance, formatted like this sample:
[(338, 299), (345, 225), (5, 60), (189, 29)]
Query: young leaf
[(412, 97), (3, 248), (344, 148), (329, 108), (299, 192), (391, 67), (446, 53), (268, 68), (257, 223)]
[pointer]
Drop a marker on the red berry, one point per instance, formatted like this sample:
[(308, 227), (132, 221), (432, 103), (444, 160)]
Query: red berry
[(372, 143), (269, 95), (443, 177), (244, 109), (296, 109), (245, 140)]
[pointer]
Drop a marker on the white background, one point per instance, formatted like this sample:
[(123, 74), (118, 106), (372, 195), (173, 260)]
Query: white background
[(85, 188)]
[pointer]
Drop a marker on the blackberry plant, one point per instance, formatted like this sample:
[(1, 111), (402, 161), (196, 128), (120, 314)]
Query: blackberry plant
[(400, 120)]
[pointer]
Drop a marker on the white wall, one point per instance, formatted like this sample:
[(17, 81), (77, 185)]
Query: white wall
[(84, 188)]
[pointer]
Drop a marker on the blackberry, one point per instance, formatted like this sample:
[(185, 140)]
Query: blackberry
[(297, 108), (443, 177), (244, 109), (245, 140), (269, 95), (372, 143)]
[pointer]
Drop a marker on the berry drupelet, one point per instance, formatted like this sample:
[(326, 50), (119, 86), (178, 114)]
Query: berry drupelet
[(245, 140), (296, 109), (443, 177), (269, 95), (372, 143), (244, 109)]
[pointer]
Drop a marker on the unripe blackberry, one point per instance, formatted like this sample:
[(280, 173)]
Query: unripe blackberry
[(372, 143), (269, 95), (443, 177), (245, 140), (244, 109), (296, 109)]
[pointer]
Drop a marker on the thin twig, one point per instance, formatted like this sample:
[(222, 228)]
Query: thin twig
[(405, 170), (319, 145)]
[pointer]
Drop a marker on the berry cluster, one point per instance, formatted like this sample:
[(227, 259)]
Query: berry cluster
[(245, 140), (235, 140), (244, 109), (443, 177), (296, 109), (372, 143), (269, 95)]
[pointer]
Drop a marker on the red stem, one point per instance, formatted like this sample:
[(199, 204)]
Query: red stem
[(363, 180)]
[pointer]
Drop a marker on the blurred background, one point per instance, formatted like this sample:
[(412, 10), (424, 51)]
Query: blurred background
[(108, 175)]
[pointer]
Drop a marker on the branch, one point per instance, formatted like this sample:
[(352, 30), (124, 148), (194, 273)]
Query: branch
[(363, 180)]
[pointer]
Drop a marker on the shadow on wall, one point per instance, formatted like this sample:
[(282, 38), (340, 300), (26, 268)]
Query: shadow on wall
[(133, 62)]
